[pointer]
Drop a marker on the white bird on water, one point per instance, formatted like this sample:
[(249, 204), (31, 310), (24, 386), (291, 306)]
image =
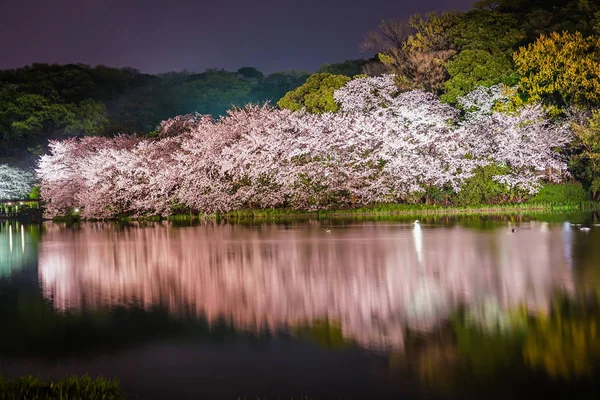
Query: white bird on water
[(584, 229), (418, 238)]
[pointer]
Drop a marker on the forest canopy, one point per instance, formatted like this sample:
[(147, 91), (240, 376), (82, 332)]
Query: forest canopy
[(42, 101)]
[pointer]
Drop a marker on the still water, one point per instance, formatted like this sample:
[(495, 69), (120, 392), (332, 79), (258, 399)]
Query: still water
[(448, 308)]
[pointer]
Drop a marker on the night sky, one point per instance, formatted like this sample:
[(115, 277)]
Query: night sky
[(172, 35)]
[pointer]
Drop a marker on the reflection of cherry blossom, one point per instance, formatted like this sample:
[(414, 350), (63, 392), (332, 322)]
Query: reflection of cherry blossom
[(370, 279)]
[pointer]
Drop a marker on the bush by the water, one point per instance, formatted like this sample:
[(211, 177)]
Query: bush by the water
[(68, 388), (482, 188), (564, 194)]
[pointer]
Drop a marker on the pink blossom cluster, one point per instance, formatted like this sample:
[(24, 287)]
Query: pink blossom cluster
[(380, 147)]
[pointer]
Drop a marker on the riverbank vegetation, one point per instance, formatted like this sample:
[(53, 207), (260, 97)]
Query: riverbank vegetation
[(497, 105), (70, 387)]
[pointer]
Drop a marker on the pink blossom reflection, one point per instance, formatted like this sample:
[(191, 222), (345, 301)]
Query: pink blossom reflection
[(370, 277)]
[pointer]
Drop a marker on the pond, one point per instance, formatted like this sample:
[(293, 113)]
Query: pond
[(454, 307)]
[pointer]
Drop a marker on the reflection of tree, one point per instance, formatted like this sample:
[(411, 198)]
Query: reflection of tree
[(266, 278), (326, 333), (466, 356), (565, 343), (37, 329), (18, 246), (462, 355)]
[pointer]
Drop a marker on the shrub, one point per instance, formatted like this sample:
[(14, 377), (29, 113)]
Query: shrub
[(481, 188), (563, 193)]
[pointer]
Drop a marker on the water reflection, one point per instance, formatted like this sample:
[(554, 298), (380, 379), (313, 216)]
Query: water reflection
[(375, 280), (18, 246)]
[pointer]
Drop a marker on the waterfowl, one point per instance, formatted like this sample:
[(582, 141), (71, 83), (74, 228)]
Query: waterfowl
[(584, 229)]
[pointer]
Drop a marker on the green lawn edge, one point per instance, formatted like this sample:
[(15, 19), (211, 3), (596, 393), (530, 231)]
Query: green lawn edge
[(378, 210), (67, 388)]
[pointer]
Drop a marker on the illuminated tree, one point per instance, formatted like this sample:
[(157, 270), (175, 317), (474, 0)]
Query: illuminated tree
[(415, 51), (561, 69), (15, 183), (316, 95), (379, 147)]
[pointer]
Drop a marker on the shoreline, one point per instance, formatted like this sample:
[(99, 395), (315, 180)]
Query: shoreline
[(382, 210)]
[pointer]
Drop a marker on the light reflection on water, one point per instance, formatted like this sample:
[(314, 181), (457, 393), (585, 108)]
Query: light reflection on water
[(375, 280), (18, 246)]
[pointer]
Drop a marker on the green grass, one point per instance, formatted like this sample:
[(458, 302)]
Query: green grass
[(561, 194), (414, 210), (382, 210), (68, 388), (564, 197)]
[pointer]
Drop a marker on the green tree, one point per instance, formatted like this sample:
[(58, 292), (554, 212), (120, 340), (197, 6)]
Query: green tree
[(276, 85), (485, 40), (486, 30), (472, 68), (214, 92), (90, 118), (419, 61), (349, 68), (316, 95), (481, 188), (251, 74), (545, 16), (561, 69), (585, 160), (27, 118)]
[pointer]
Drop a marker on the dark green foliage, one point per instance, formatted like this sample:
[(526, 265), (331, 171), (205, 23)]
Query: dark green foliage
[(563, 194), (327, 334), (584, 162), (472, 68), (545, 16), (252, 74), (68, 388), (485, 40), (349, 68), (482, 189), (214, 92), (35, 193), (42, 101), (486, 30)]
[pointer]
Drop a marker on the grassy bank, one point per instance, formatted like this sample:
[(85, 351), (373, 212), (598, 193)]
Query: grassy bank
[(408, 210), (378, 210), (566, 197), (68, 388)]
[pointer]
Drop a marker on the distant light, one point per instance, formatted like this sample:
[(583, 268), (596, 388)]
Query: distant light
[(9, 203), (21, 203), (77, 210)]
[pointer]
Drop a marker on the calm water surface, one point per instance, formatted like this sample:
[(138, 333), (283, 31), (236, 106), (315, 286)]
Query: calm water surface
[(451, 308)]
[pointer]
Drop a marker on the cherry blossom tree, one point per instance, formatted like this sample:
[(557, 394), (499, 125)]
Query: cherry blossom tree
[(15, 183), (526, 140), (380, 147)]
